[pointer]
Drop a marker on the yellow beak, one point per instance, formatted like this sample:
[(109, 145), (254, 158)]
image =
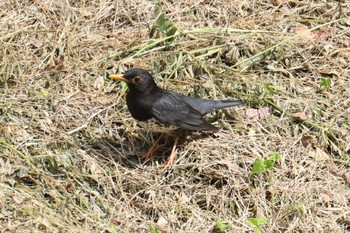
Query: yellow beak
[(117, 77)]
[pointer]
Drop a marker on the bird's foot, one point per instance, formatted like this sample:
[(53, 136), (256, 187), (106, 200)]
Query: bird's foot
[(171, 158), (150, 154)]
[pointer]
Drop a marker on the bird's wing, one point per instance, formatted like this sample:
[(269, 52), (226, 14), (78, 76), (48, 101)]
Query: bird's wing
[(205, 106), (171, 109)]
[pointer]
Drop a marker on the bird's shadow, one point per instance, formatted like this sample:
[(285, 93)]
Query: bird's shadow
[(130, 150)]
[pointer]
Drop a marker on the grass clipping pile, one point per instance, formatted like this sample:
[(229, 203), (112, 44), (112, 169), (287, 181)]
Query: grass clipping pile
[(69, 148)]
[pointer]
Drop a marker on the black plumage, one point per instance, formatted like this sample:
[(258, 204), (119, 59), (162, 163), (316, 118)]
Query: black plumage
[(145, 100)]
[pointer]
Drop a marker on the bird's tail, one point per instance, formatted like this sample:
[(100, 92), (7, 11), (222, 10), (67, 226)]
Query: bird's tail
[(206, 106), (219, 104)]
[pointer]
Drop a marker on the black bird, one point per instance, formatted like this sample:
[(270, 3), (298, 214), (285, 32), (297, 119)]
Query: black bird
[(165, 111)]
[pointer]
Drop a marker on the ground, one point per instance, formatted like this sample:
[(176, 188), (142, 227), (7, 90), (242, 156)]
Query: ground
[(69, 149)]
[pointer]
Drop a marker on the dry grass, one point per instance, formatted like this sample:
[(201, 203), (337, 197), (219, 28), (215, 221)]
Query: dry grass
[(69, 149)]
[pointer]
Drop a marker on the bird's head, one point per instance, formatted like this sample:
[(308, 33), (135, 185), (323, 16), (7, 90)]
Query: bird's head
[(137, 79)]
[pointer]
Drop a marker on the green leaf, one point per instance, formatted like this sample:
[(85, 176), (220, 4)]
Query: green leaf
[(274, 156), (160, 20), (269, 163), (253, 222), (153, 229), (258, 166), (171, 31), (45, 92), (325, 83), (301, 208), (221, 226), (163, 24), (167, 24), (262, 221)]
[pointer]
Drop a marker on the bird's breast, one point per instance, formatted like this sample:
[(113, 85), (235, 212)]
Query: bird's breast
[(139, 106), (155, 126)]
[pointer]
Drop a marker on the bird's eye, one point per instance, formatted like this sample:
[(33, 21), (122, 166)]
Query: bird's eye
[(137, 79)]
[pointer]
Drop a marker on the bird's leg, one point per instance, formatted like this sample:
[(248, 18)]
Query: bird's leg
[(149, 155), (172, 156)]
